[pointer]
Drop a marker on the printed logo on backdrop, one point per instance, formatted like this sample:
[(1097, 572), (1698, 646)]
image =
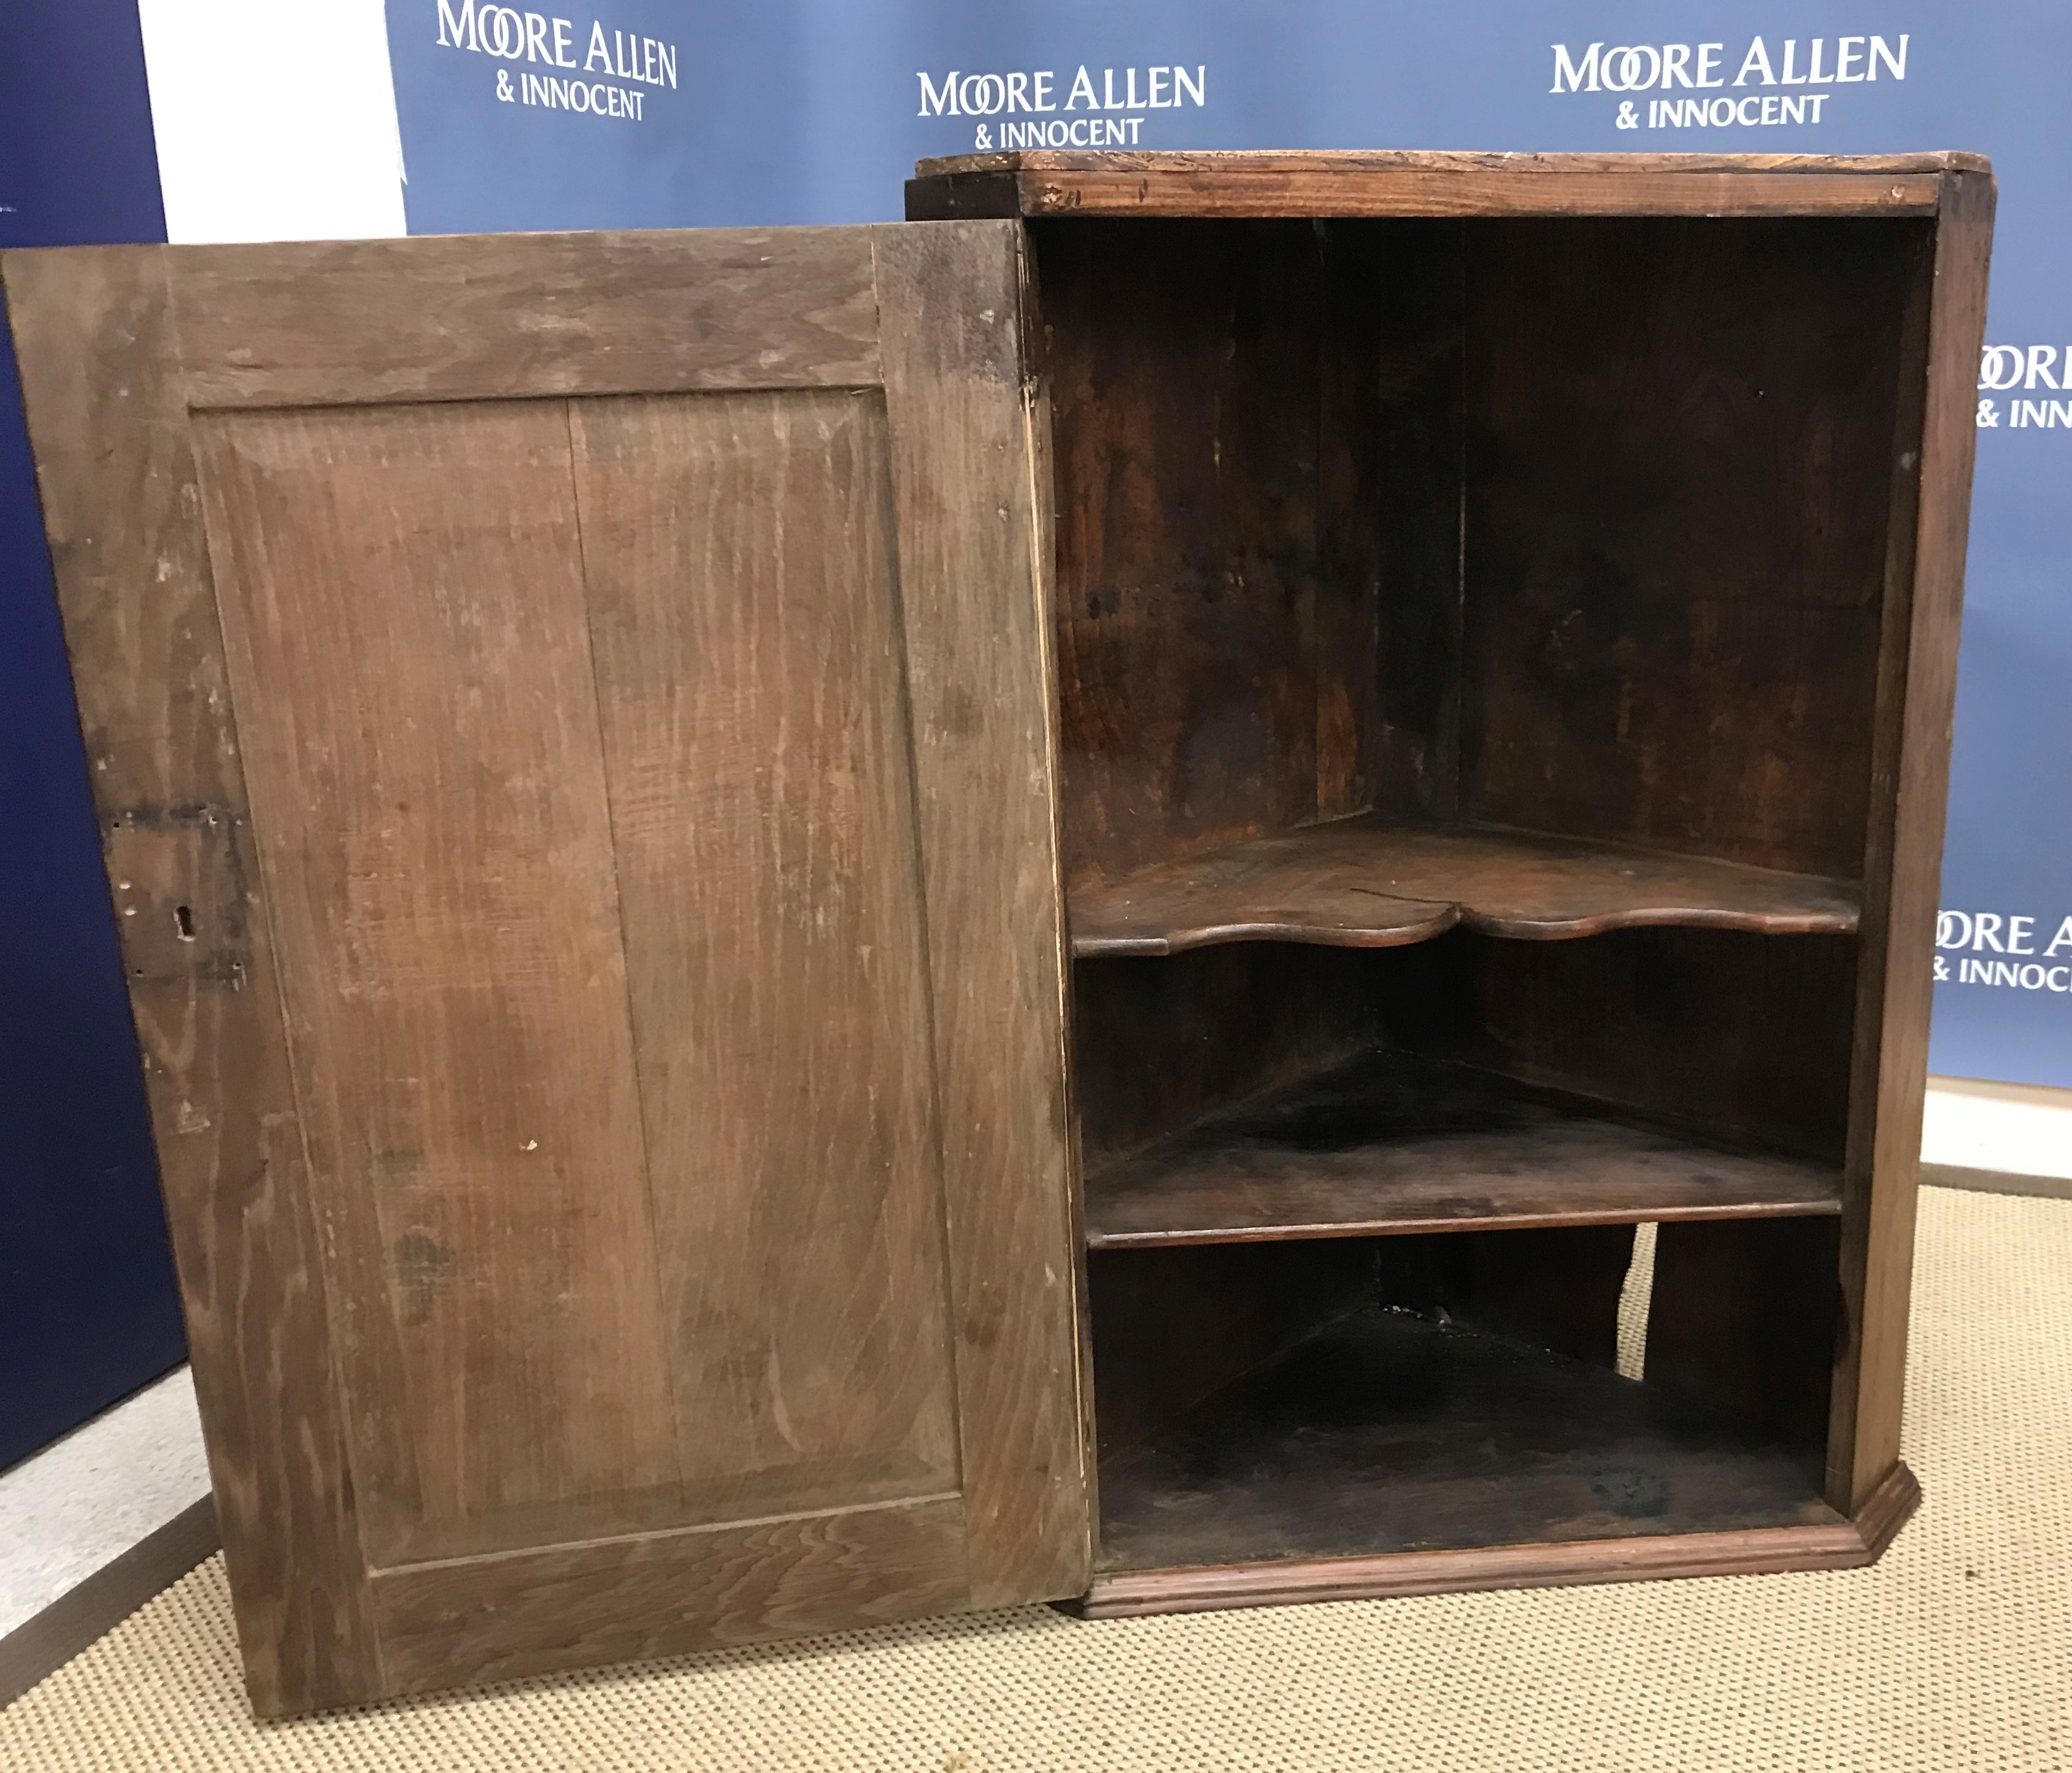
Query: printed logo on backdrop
[(2002, 950), (2005, 368), (1773, 84), (601, 74), (1043, 108)]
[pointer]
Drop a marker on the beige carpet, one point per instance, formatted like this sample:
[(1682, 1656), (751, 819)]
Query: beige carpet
[(1955, 1652)]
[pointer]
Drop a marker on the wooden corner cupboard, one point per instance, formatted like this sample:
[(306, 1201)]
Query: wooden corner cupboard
[(835, 924)]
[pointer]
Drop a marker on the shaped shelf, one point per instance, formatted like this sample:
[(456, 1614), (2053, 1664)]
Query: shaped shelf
[(1369, 883), (1388, 1143)]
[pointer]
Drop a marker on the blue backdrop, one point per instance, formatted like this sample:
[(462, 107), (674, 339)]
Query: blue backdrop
[(88, 1310)]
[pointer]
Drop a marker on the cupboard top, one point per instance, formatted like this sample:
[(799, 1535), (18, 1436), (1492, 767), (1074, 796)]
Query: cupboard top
[(1054, 182)]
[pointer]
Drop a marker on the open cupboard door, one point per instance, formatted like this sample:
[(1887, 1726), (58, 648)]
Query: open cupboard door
[(568, 720)]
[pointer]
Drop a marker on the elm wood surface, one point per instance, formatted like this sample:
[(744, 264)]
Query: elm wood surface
[(1384, 1432), (1157, 1044), (1391, 1143), (1172, 1325), (1742, 1320), (1742, 1039), (1180, 361), (969, 455), (101, 366), (1846, 1543), (1237, 185), (1909, 778), (1680, 441), (1371, 882), (587, 742)]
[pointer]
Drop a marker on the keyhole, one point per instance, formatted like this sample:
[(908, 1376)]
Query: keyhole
[(184, 922)]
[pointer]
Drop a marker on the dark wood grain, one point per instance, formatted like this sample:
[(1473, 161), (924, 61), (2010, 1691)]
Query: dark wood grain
[(743, 599), (1171, 1325), (707, 669), (1916, 666), (122, 510), (1739, 1037), (1742, 1319), (1388, 1143), (1182, 361), (1841, 1544), (1385, 1432), (975, 591), (402, 594), (1680, 435), (1392, 494), (466, 317), (471, 1620), (1237, 190), (1370, 882), (1156, 1044)]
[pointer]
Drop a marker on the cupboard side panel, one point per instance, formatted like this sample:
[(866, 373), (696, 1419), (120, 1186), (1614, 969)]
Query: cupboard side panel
[(122, 509), (745, 617), (402, 598), (975, 589), (1183, 365), (1903, 860)]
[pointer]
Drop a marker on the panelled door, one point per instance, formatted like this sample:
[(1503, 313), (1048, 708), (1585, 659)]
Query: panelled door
[(569, 720)]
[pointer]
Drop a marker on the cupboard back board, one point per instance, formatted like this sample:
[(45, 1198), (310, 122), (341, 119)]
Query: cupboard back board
[(562, 713)]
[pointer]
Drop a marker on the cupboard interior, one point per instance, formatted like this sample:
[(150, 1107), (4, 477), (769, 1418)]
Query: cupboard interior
[(1468, 642)]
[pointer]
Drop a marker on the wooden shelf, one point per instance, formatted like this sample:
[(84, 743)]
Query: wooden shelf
[(1383, 1432), (1367, 883), (1390, 1143)]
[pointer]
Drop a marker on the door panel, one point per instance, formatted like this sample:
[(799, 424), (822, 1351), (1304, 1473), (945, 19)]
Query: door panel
[(401, 594), (744, 604), (578, 704)]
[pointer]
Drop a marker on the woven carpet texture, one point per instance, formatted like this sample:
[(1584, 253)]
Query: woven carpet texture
[(1953, 1652)]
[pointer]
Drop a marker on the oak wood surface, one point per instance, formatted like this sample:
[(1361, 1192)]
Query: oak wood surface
[(1241, 192), (122, 511), (1743, 1319), (1174, 1323), (1843, 1544), (403, 598), (469, 317), (1371, 882), (1157, 1043), (1177, 359), (1387, 1142), (1385, 1432), (743, 601), (969, 489), (1731, 1037), (679, 1059), (1908, 787), (471, 1620), (1426, 160), (1680, 435)]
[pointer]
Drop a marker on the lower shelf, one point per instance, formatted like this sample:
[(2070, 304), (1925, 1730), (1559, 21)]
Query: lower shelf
[(1840, 1544), (1385, 1433)]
